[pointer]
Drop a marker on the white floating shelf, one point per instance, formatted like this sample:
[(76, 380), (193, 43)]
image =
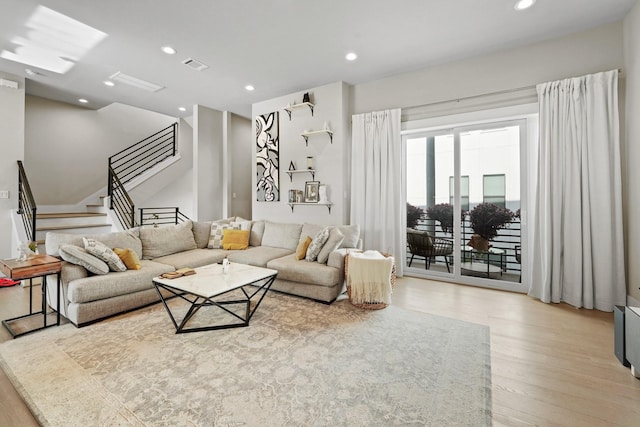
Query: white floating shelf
[(309, 171), (290, 108), (306, 135), (327, 204)]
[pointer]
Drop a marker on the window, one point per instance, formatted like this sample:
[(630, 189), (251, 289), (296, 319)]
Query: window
[(464, 192), (493, 189)]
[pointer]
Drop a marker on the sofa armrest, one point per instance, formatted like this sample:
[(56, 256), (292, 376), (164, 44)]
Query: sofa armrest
[(70, 272)]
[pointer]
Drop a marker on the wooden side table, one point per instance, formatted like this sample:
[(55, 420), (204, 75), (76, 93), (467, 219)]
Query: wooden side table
[(38, 266)]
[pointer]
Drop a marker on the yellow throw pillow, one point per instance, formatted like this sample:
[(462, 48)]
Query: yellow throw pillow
[(301, 250), (235, 239), (129, 257)]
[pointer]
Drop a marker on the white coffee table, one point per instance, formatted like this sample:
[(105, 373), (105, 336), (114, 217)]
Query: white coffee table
[(210, 282)]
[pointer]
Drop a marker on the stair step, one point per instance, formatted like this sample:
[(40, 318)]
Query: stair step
[(71, 226), (97, 205), (69, 215)]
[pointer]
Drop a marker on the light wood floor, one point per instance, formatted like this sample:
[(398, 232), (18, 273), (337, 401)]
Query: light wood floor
[(552, 365)]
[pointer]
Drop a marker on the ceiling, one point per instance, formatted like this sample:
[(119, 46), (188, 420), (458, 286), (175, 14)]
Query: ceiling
[(278, 46)]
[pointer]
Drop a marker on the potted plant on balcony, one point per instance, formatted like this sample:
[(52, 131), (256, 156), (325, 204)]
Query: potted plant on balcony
[(414, 214), (443, 213), (486, 220)]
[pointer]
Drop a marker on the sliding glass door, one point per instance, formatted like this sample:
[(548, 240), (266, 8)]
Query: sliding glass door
[(464, 201)]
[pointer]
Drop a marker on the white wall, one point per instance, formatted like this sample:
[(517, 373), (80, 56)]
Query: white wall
[(240, 149), (208, 163), (599, 49), (12, 147), (67, 147), (330, 159), (173, 186), (631, 151)]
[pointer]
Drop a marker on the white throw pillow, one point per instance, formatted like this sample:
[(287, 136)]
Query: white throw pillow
[(78, 256), (316, 244), (103, 252)]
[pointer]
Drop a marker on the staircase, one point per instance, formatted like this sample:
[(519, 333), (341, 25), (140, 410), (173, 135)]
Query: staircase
[(94, 220), (130, 166)]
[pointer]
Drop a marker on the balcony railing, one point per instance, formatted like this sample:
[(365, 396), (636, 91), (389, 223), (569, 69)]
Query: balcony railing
[(508, 239)]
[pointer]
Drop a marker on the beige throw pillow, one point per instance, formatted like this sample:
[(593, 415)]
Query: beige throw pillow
[(316, 244), (333, 242), (78, 256), (103, 252)]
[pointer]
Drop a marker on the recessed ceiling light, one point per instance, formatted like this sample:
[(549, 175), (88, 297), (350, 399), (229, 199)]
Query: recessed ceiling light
[(182, 109), (168, 50), (109, 83), (249, 88), (351, 56), (82, 101), (524, 4)]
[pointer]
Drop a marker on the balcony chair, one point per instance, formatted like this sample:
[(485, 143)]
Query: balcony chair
[(421, 244)]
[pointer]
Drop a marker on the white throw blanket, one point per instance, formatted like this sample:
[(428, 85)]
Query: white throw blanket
[(370, 277)]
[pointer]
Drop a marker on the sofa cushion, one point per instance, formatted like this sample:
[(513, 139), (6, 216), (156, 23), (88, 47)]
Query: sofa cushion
[(235, 239), (161, 241), (257, 230), (193, 258), (351, 235), (310, 230), (289, 268), (281, 235), (118, 239), (103, 252), (118, 283), (78, 256), (333, 242), (316, 245), (128, 257), (201, 233), (257, 256)]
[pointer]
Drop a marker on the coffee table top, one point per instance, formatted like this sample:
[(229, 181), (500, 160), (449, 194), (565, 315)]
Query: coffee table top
[(210, 281)]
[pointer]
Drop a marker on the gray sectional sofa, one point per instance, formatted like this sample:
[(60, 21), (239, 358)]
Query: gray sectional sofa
[(88, 297)]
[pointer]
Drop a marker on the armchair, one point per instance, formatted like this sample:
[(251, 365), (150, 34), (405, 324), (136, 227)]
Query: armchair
[(421, 244)]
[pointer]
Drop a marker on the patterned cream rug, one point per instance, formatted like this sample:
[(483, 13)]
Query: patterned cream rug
[(299, 363)]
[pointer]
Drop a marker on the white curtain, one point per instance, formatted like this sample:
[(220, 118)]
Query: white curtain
[(578, 248), (377, 182)]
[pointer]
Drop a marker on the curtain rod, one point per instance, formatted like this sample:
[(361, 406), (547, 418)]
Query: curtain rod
[(466, 98)]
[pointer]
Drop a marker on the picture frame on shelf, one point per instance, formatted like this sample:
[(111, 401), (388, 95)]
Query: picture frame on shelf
[(311, 191)]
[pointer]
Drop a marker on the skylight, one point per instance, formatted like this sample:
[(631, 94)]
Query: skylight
[(53, 41)]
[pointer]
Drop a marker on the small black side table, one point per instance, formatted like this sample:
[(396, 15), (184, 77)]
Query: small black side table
[(38, 266)]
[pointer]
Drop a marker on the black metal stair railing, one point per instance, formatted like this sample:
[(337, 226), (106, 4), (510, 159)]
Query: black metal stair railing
[(142, 156), (131, 162), (120, 202), (161, 216), (27, 207)]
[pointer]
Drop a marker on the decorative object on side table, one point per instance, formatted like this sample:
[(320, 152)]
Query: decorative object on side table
[(311, 189)]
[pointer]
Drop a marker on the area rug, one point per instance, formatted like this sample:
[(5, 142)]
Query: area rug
[(299, 363)]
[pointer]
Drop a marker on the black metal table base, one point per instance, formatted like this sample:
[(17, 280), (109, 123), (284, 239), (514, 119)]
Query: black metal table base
[(43, 311), (197, 302)]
